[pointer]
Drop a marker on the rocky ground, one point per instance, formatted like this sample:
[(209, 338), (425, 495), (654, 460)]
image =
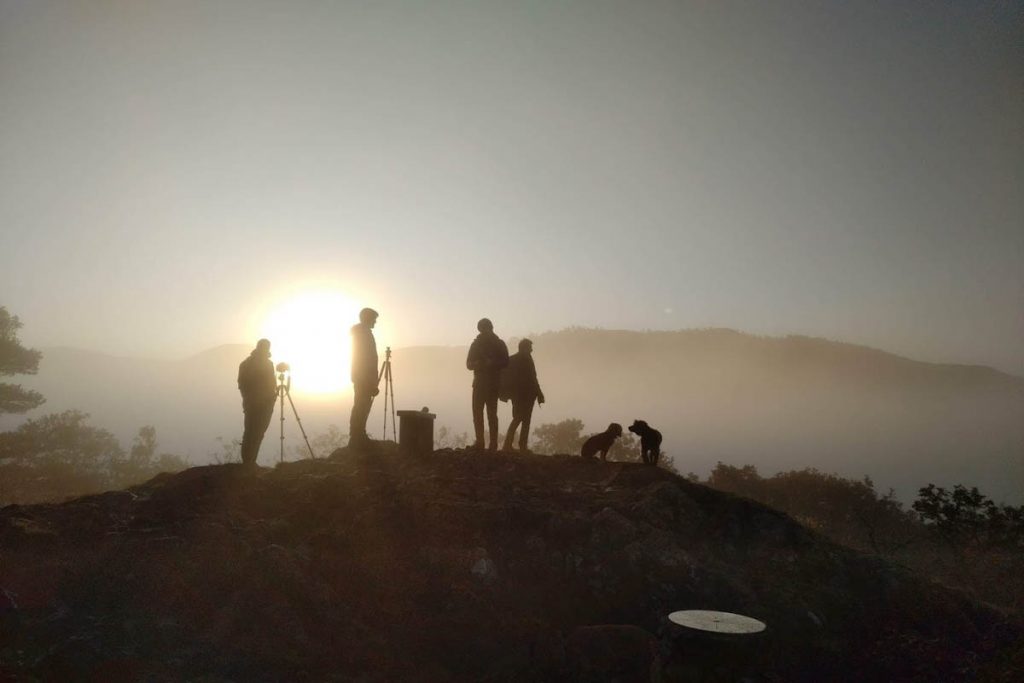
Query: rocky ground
[(460, 565)]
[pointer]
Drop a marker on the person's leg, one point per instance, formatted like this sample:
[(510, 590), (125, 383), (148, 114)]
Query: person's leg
[(249, 430), (478, 416), (261, 423), (361, 402), (526, 415), (512, 426), (492, 418)]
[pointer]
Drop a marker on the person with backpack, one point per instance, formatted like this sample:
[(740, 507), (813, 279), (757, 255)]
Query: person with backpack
[(520, 386), (258, 385)]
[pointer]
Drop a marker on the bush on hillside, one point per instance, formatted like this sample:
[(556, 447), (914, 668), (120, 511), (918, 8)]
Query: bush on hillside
[(959, 537), (58, 456)]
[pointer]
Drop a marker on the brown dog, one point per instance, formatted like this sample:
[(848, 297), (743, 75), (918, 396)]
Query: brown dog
[(601, 443)]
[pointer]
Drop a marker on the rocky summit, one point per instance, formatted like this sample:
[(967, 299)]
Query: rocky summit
[(461, 565)]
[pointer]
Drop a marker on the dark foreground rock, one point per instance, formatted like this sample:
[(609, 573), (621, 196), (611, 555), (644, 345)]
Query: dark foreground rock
[(460, 566)]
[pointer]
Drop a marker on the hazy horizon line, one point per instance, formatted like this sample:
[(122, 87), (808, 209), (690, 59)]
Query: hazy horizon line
[(571, 328)]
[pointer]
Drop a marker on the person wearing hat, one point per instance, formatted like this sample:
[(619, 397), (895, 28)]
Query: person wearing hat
[(487, 356), (364, 376), (258, 386), (520, 385)]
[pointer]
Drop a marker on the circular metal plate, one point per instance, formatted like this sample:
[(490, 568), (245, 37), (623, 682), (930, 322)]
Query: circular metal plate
[(716, 622)]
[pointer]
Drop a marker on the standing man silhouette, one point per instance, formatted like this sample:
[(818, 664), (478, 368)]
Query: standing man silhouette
[(522, 388), (258, 386), (364, 376), (487, 356)]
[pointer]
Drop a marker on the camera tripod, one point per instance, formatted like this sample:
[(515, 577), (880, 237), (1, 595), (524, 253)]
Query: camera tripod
[(389, 389), (284, 388)]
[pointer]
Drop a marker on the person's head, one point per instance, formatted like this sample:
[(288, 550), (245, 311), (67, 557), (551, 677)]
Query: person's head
[(525, 346), (263, 348), (368, 317), (485, 326)]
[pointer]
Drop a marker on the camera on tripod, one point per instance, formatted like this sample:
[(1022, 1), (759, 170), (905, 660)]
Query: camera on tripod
[(284, 390)]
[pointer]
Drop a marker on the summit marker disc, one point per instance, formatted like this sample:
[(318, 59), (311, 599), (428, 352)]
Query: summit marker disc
[(717, 622)]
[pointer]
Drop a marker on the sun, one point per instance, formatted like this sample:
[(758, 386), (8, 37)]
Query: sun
[(310, 332)]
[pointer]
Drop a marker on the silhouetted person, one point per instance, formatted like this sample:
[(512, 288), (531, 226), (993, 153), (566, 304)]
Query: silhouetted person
[(521, 386), (364, 376), (258, 386), (487, 356)]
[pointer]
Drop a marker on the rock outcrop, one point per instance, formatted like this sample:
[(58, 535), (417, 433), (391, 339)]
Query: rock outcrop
[(459, 566)]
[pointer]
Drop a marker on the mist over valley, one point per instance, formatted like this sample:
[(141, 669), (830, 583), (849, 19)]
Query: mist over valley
[(777, 403)]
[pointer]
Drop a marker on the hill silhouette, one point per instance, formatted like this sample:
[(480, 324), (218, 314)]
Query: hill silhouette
[(459, 566), (717, 395)]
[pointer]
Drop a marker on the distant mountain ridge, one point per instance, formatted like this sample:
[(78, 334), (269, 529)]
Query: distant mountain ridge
[(795, 349), (716, 394)]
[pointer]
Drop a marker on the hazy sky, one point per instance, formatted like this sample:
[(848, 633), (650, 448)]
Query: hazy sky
[(848, 170)]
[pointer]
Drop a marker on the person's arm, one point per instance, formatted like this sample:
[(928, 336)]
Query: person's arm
[(373, 373), (244, 378), (536, 383), (271, 380), (473, 357), (356, 355)]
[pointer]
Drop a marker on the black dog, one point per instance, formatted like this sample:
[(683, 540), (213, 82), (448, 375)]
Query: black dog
[(601, 443), (650, 441)]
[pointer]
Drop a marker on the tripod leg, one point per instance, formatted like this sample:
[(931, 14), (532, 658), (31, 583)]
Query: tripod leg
[(391, 388), (301, 428), (281, 396), (384, 371)]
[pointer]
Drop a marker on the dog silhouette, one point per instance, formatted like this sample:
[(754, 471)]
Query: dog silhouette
[(601, 443), (650, 441)]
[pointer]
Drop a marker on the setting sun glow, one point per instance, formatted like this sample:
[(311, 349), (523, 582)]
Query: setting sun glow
[(310, 332)]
